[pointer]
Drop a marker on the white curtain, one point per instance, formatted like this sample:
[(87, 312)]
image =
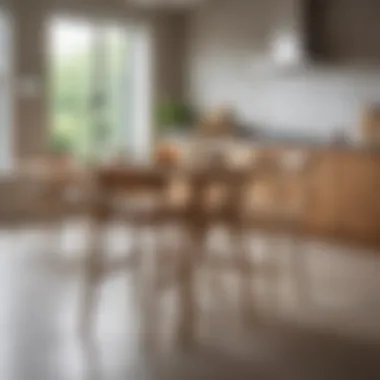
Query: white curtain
[(142, 74)]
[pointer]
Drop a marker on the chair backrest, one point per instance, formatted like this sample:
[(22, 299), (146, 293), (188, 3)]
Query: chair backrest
[(280, 182), (215, 195)]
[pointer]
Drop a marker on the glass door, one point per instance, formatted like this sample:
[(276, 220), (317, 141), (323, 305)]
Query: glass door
[(95, 90), (70, 57)]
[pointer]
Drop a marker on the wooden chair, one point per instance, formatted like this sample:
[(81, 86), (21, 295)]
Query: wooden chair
[(141, 197), (39, 195), (221, 206), (277, 201)]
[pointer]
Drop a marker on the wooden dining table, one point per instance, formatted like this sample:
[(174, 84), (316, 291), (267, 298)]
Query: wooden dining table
[(104, 183), (188, 184)]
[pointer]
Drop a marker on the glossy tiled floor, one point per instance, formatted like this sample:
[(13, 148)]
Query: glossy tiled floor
[(333, 333)]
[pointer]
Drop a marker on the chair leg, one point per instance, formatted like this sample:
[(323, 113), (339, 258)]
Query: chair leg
[(187, 312), (165, 262), (246, 297), (135, 232), (88, 301), (150, 303), (301, 282), (93, 265), (276, 270), (52, 242), (188, 308)]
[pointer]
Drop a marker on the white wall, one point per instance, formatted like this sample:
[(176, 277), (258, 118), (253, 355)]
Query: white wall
[(229, 48)]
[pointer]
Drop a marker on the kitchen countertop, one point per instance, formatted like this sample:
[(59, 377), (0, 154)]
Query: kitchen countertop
[(290, 142)]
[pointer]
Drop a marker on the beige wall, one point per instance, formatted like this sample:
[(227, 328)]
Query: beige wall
[(171, 50), (229, 62), (29, 60), (30, 17)]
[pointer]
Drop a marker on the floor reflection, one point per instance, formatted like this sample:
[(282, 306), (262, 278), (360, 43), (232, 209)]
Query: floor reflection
[(247, 322)]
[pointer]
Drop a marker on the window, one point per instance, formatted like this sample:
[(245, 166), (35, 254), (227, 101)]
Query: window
[(99, 89)]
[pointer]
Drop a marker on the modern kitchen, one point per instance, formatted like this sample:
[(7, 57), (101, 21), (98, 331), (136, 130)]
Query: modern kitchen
[(189, 189)]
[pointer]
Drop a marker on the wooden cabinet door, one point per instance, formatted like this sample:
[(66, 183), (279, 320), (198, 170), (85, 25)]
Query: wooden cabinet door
[(360, 192)]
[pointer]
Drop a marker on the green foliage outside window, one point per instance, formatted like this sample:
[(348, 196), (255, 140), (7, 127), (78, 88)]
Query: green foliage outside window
[(79, 126), (61, 143)]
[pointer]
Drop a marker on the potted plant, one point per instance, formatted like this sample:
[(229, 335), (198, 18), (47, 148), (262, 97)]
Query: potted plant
[(174, 117)]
